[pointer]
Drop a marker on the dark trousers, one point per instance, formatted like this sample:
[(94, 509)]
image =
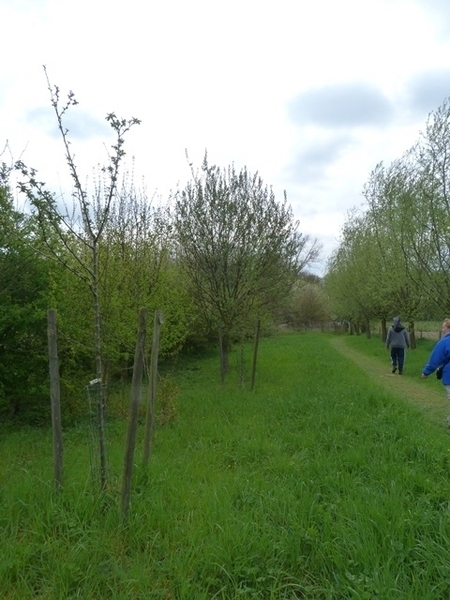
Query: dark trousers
[(398, 358)]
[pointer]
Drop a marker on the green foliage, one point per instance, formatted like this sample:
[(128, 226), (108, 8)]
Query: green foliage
[(309, 305), (319, 484), (396, 253), (24, 293), (239, 247), (358, 279)]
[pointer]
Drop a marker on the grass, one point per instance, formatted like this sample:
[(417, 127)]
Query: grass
[(320, 484), (374, 347)]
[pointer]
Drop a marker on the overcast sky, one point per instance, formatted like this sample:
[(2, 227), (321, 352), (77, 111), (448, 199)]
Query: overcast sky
[(312, 94)]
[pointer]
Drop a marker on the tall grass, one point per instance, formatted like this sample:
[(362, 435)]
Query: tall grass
[(318, 485)]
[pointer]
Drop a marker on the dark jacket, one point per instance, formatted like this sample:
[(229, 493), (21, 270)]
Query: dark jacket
[(440, 353), (398, 336)]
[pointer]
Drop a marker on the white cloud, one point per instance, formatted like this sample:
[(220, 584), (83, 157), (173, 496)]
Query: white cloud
[(312, 94)]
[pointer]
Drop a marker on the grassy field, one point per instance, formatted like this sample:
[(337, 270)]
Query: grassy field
[(319, 484)]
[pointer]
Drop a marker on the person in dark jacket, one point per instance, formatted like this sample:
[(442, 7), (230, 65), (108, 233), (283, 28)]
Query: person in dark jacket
[(397, 341), (439, 356)]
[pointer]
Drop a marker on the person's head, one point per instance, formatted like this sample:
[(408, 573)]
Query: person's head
[(395, 321), (445, 327)]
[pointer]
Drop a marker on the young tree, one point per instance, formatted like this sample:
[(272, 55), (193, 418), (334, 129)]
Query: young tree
[(81, 235)]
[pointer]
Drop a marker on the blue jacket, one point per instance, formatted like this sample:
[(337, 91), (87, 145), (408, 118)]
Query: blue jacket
[(440, 353)]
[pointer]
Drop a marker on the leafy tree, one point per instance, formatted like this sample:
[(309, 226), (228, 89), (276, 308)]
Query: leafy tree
[(403, 240), (358, 281), (240, 248), (428, 238), (137, 270), (24, 291), (310, 306), (391, 214)]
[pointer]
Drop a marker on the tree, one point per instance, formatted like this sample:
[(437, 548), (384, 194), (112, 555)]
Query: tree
[(403, 240), (24, 292), (80, 235), (354, 278), (239, 247), (134, 271), (429, 200), (392, 209), (310, 306)]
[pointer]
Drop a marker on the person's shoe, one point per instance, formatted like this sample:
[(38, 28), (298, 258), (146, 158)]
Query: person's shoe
[(400, 372), (394, 369)]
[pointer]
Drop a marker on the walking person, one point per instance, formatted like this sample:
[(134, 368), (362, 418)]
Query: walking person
[(397, 341), (440, 358)]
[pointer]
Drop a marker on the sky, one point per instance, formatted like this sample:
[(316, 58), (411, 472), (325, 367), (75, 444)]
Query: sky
[(311, 94)]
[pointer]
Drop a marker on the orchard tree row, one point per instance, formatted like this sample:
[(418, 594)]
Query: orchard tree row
[(394, 256), (218, 256)]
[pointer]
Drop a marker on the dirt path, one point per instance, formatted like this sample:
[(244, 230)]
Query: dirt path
[(418, 392)]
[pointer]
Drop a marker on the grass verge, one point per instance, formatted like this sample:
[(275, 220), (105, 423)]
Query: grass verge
[(319, 484)]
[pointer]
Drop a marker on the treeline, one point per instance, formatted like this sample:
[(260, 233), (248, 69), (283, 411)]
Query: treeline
[(394, 255), (218, 256)]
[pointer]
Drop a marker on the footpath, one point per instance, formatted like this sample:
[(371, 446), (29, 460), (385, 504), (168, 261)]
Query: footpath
[(418, 392)]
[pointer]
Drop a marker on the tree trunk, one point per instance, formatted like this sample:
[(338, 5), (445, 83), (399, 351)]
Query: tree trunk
[(383, 330), (99, 373), (412, 334)]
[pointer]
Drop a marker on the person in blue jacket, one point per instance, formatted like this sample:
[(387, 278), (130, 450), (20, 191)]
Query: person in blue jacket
[(440, 355)]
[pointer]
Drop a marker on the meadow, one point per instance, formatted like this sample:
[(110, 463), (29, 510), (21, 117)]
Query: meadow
[(318, 484)]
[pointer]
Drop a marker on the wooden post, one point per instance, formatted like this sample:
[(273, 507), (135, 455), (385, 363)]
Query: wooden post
[(158, 320), (138, 370), (55, 399), (255, 352)]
